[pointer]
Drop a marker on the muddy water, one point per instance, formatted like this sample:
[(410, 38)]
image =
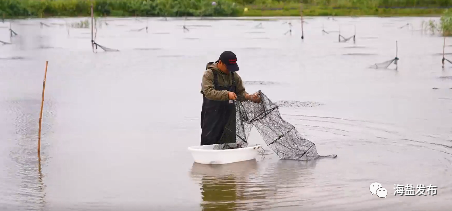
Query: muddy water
[(116, 125)]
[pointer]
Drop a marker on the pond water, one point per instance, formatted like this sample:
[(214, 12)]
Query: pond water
[(116, 125)]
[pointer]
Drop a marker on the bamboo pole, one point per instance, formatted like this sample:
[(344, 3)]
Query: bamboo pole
[(301, 15), (42, 105), (397, 48), (92, 26), (444, 46)]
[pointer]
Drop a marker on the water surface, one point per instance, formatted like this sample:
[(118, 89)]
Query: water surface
[(116, 125)]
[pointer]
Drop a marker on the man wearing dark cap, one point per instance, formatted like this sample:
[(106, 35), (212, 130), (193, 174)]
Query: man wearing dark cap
[(221, 86)]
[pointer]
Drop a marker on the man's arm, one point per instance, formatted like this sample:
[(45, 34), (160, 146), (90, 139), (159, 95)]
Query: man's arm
[(208, 88), (242, 95)]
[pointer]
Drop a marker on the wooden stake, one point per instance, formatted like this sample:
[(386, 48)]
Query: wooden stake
[(42, 105)]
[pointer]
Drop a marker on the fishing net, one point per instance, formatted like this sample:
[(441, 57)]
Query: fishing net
[(138, 30), (13, 33), (384, 65), (406, 25), (343, 39), (279, 135), (444, 59), (43, 24), (104, 48), (4, 43)]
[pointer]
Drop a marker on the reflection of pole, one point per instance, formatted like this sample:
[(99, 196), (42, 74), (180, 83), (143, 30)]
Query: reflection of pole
[(42, 105)]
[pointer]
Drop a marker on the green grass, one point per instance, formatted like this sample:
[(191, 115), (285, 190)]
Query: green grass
[(313, 11)]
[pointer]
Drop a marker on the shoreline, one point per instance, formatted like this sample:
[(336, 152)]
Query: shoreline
[(260, 12)]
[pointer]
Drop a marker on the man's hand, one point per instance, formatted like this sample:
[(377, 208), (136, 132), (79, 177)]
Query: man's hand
[(254, 98), (232, 96)]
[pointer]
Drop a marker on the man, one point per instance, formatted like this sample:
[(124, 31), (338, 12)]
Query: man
[(221, 85)]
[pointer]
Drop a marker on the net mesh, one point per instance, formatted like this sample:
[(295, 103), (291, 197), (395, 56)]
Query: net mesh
[(281, 136), (386, 64)]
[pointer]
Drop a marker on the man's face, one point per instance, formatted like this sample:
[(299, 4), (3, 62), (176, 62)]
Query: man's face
[(222, 66)]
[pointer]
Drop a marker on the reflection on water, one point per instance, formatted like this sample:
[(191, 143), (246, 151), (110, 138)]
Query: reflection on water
[(222, 186), (251, 185), (28, 165)]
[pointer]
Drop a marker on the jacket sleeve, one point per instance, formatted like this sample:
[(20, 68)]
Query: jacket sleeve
[(208, 88), (240, 89)]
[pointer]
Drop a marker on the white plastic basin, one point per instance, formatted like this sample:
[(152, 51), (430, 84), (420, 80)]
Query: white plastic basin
[(207, 155)]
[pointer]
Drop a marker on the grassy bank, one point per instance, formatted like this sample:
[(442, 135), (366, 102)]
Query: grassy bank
[(180, 8), (383, 12)]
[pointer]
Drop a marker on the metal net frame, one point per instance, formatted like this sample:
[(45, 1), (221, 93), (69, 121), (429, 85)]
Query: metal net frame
[(279, 135)]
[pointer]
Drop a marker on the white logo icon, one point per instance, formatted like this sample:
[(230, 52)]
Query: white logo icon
[(376, 189), (382, 192)]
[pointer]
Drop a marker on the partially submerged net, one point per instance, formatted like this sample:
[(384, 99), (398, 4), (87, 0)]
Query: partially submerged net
[(281, 136), (444, 59), (138, 30), (104, 48), (259, 26), (290, 29), (343, 39), (408, 24), (13, 33), (43, 24), (4, 43), (386, 64)]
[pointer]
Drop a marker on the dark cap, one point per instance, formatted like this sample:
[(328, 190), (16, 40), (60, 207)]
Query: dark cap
[(230, 60)]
